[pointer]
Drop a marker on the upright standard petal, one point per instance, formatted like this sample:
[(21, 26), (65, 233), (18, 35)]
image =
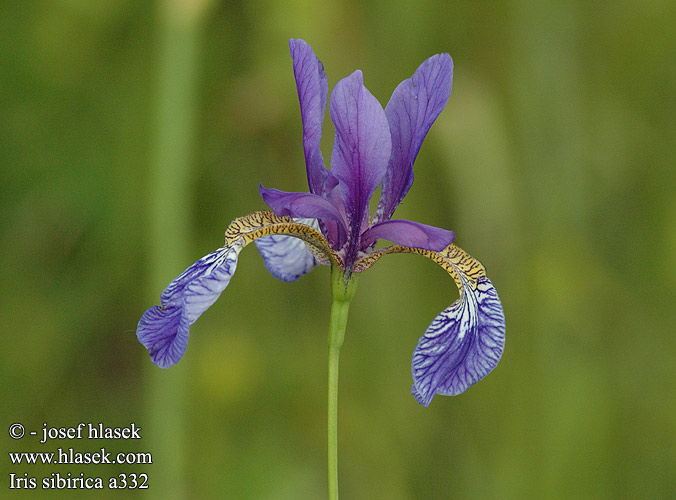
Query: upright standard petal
[(313, 89), (285, 257), (163, 330), (361, 150), (411, 111)]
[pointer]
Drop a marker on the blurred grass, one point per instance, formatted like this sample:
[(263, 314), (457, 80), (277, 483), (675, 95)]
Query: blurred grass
[(179, 29), (553, 163)]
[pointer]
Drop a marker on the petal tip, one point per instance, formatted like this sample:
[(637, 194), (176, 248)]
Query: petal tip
[(423, 400), (164, 332), (297, 43)]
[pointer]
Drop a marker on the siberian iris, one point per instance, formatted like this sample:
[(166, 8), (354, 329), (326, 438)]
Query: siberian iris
[(331, 225)]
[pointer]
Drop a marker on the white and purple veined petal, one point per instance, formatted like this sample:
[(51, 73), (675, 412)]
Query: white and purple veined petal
[(164, 329), (462, 344), (286, 257)]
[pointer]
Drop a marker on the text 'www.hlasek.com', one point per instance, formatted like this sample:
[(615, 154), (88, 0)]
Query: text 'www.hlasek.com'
[(85, 436)]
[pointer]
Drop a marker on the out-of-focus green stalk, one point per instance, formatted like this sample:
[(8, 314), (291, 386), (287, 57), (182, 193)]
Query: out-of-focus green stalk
[(178, 26)]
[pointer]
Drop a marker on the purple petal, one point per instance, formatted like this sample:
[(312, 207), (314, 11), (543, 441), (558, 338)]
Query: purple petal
[(361, 149), (163, 330), (409, 234), (313, 89), (412, 109), (461, 346), (286, 257), (304, 205)]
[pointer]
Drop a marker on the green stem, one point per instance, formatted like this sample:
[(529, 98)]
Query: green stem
[(343, 288)]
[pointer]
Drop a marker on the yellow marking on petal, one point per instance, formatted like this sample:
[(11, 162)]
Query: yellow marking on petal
[(470, 267), (255, 225), (366, 261), (453, 259), (322, 257)]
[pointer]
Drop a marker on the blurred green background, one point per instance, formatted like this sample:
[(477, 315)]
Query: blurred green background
[(132, 133)]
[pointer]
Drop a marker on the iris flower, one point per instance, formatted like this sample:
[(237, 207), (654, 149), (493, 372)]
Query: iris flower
[(331, 225)]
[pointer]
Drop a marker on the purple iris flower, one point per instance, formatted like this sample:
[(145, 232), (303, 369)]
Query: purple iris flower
[(331, 225)]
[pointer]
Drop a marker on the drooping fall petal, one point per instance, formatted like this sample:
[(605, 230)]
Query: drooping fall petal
[(163, 330), (465, 341), (462, 344)]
